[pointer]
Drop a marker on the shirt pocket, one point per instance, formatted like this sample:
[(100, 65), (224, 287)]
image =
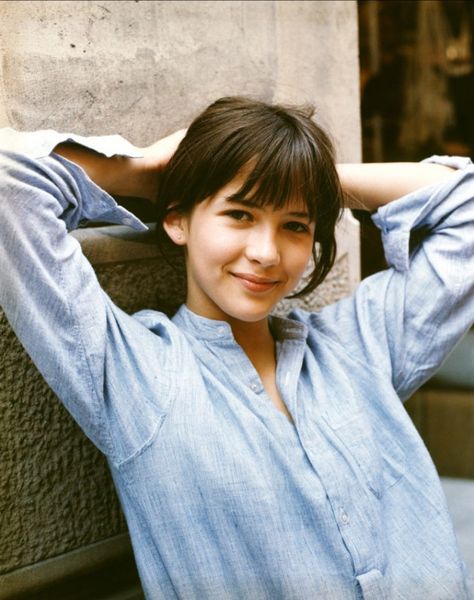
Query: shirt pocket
[(373, 452)]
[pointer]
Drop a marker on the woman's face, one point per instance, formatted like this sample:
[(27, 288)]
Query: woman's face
[(241, 259)]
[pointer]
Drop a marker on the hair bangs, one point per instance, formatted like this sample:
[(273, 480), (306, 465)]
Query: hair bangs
[(283, 173)]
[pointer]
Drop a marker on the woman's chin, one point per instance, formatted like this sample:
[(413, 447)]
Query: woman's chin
[(252, 314)]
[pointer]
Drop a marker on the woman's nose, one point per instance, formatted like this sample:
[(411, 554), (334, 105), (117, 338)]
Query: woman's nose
[(262, 247)]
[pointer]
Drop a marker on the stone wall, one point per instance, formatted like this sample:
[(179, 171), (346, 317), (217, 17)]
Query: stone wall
[(142, 69)]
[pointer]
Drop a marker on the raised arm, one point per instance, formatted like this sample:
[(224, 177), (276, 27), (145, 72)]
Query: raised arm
[(405, 320), (121, 175), (369, 186), (82, 343)]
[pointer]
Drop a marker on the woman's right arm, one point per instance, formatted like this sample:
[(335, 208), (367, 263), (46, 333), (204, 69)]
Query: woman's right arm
[(122, 175), (79, 340)]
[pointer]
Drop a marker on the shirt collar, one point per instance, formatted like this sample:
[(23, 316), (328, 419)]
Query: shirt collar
[(220, 331)]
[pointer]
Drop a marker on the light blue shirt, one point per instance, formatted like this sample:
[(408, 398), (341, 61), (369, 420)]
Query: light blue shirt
[(225, 499)]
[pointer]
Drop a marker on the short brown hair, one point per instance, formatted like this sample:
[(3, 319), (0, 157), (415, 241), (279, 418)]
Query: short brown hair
[(291, 157)]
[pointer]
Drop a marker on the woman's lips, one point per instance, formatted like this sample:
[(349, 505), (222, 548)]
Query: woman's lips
[(254, 283)]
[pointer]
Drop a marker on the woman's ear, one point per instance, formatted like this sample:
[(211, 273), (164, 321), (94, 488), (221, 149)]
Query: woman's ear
[(175, 225)]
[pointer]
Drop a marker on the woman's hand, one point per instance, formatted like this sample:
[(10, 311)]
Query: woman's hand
[(123, 176), (157, 155), (155, 158)]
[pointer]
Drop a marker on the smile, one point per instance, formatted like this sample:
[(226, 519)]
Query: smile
[(253, 283)]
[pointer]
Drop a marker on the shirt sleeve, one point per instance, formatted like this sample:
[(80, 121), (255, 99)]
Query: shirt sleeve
[(49, 291), (407, 319)]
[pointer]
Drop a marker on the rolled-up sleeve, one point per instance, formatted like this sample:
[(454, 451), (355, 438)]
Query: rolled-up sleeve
[(407, 319)]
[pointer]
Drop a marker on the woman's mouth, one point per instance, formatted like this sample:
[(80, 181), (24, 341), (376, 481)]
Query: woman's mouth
[(254, 283)]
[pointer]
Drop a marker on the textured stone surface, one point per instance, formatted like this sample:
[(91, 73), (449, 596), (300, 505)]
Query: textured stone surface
[(142, 69), (55, 491), (136, 67)]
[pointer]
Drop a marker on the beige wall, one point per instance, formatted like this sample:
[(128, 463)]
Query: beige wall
[(142, 69), (145, 68)]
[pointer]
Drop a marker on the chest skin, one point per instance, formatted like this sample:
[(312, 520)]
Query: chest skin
[(269, 383)]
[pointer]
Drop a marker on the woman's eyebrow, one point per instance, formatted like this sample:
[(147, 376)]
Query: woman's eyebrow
[(243, 201), (253, 204), (302, 215)]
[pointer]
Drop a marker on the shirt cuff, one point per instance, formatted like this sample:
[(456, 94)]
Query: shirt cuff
[(98, 205), (455, 162), (38, 144), (397, 219)]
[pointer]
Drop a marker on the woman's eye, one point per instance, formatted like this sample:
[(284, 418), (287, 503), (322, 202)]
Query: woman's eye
[(239, 215), (297, 227)]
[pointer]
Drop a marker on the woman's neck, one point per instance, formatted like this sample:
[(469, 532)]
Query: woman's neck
[(257, 342)]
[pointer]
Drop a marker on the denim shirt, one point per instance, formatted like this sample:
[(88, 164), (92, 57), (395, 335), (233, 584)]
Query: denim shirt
[(224, 497)]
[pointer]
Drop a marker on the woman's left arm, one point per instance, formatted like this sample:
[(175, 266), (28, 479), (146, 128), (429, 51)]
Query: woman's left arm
[(368, 186), (405, 320)]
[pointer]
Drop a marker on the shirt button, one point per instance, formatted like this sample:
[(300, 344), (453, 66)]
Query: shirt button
[(254, 387), (344, 518)]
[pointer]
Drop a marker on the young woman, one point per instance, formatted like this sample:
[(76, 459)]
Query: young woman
[(255, 457)]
